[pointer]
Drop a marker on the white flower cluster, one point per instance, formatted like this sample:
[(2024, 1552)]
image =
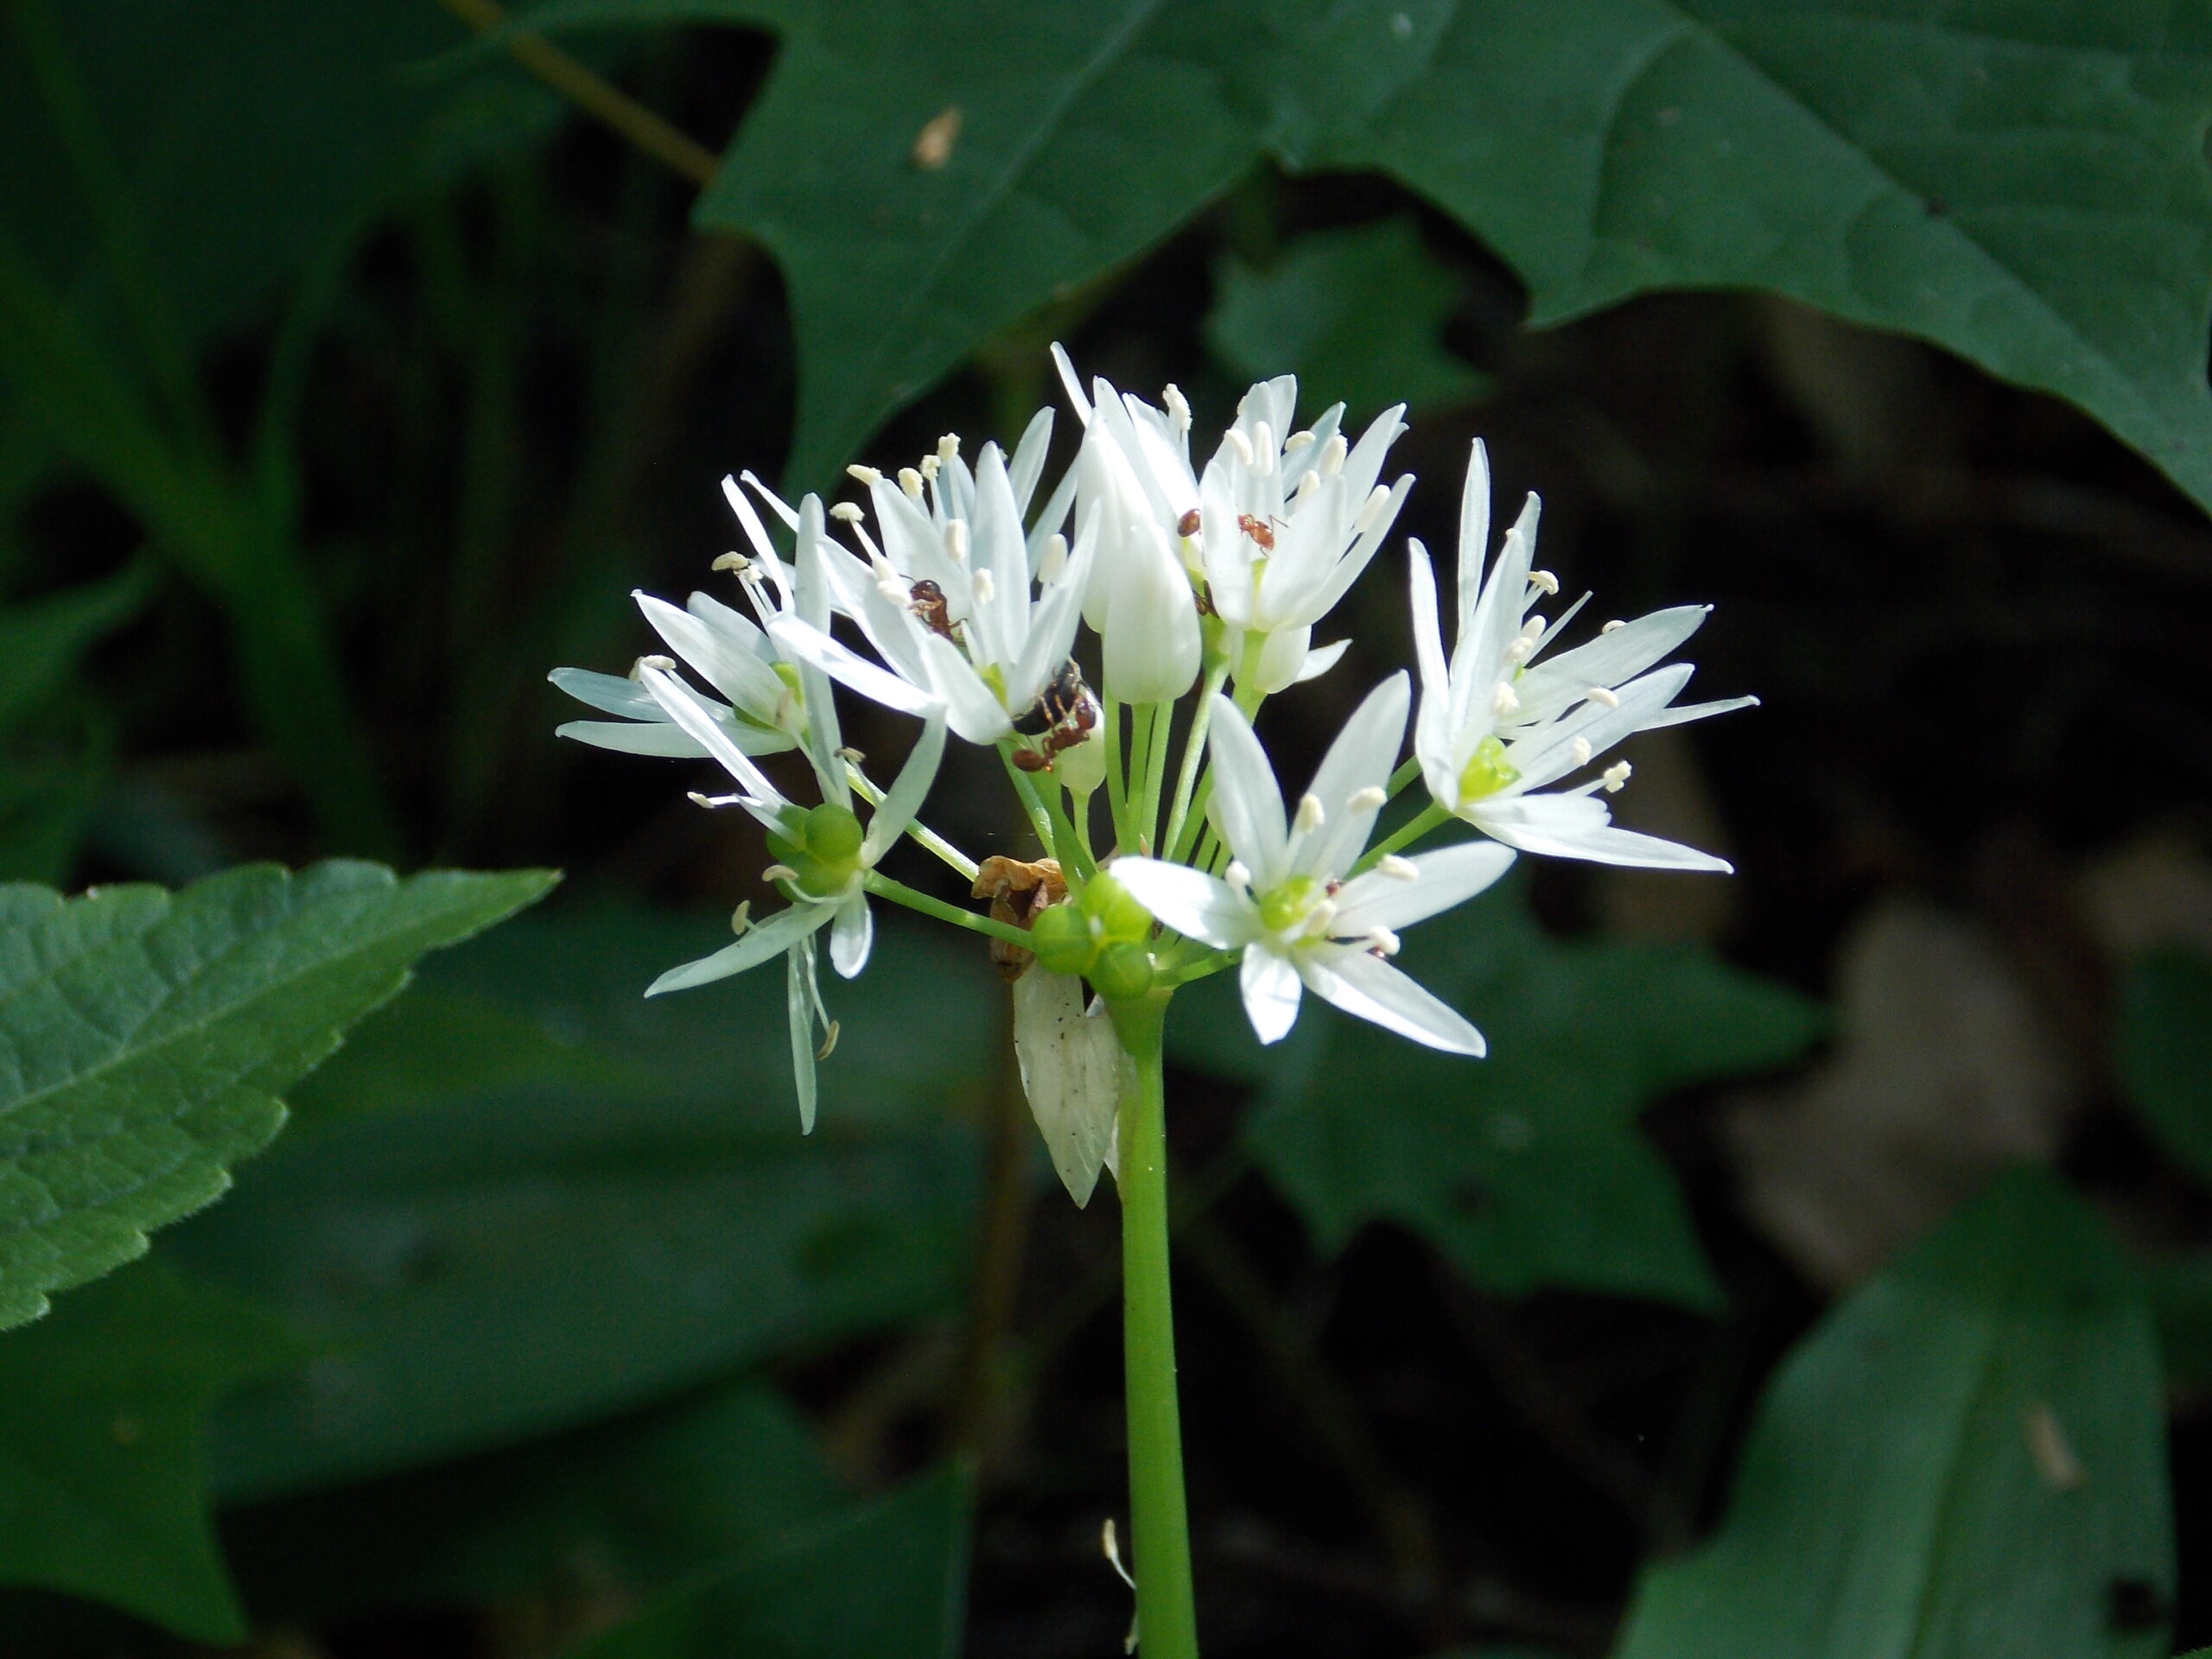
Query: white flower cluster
[(1211, 578)]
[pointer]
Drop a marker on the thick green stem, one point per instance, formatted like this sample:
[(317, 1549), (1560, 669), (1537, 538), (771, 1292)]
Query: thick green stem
[(900, 893), (1166, 1621)]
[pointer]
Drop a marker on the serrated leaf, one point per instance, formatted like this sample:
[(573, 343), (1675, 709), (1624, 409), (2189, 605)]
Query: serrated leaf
[(1358, 314), (2021, 182), (887, 1580), (1525, 1168), (102, 1487), (2166, 1052), (532, 1250), (1965, 1460), (143, 1036)]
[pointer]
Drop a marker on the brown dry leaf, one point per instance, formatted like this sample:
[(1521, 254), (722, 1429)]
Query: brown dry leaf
[(1942, 1076)]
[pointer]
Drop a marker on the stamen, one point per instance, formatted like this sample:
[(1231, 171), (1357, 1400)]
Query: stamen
[(1545, 580), (1263, 449), (1370, 512), (780, 872), (986, 590), (849, 752), (1310, 815), (1296, 441), (1604, 696), (910, 482), (1311, 482), (1579, 748), (666, 664), (1617, 775), (1383, 940), (930, 466), (1238, 876), (1612, 626), (696, 799), (849, 512), (829, 1042), (1502, 702), (1179, 411), (1053, 560), (1319, 919), (1533, 629), (736, 561), (1371, 799), (947, 448), (1397, 869), (1240, 443), (956, 539), (1519, 649), (1107, 1541), (741, 918), (866, 476), (1333, 455)]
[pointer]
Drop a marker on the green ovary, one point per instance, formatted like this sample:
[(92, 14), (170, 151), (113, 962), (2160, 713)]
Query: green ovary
[(1286, 906), (1487, 771)]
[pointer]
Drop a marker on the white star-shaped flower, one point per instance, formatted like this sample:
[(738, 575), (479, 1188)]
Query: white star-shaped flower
[(1288, 900), (1504, 722)]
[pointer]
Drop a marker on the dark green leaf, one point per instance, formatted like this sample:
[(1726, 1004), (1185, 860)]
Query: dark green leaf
[(42, 640), (887, 1580), (1966, 1460), (2166, 1052), (1357, 314), (636, 1216), (1525, 1168), (2180, 1290), (102, 1488), (143, 1037), (623, 1509)]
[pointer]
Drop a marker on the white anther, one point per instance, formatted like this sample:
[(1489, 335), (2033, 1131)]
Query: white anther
[(1240, 443), (666, 664), (986, 589), (910, 482), (956, 539), (1333, 455), (930, 466), (1371, 799), (1053, 561), (736, 561), (1238, 876), (893, 590), (698, 799), (1370, 512), (867, 476), (1398, 869), (1579, 748), (1604, 696), (847, 513), (947, 448), (1306, 485), (1179, 411), (849, 752), (829, 1042), (741, 918), (1502, 702), (1320, 919), (1613, 626), (1383, 939), (780, 872), (1310, 815), (1263, 447), (1519, 649), (1296, 441), (1533, 629), (1545, 580), (1616, 775)]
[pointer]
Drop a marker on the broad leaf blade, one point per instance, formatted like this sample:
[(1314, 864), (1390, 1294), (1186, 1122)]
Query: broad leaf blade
[(1967, 1460), (1525, 1168), (143, 1037), (102, 1490)]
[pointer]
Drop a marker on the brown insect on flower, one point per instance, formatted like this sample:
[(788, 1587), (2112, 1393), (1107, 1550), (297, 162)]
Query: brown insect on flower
[(1258, 528), (928, 603), (1187, 525)]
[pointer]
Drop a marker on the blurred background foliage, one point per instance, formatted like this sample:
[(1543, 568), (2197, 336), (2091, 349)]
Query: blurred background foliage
[(348, 378)]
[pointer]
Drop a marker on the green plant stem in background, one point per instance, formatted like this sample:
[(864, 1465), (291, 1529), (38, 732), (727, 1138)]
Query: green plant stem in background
[(900, 893), (1166, 1621), (1415, 828)]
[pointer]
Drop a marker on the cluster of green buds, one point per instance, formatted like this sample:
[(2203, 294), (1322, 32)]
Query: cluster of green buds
[(1101, 934), (817, 851)]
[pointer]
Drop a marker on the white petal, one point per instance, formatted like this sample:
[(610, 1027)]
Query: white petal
[(1029, 463), (613, 694), (851, 934), (1448, 876), (1247, 804), (801, 998), (808, 645), (1474, 539), (971, 704), (1579, 826), (1320, 659), (686, 711), (1371, 988), (1361, 758), (1072, 382), (904, 799), (1192, 902), (1690, 711), (1270, 985), (764, 939), (724, 662), (1608, 660), (661, 738)]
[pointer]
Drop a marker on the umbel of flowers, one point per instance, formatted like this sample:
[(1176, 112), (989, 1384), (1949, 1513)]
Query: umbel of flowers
[(1170, 850)]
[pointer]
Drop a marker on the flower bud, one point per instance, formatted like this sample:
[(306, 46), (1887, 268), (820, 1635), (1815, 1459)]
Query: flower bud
[(1122, 972), (1061, 938), (1281, 656), (1082, 768), (833, 834), (1120, 918)]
